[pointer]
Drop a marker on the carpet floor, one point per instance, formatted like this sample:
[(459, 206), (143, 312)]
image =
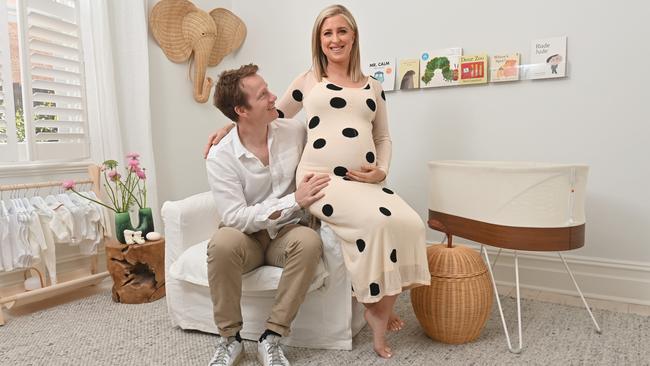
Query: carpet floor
[(97, 331)]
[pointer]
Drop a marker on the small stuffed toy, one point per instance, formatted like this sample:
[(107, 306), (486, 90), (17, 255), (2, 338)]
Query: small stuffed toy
[(133, 237)]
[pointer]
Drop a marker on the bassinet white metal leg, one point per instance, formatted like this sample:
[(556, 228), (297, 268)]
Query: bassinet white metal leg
[(580, 292), (496, 259), (518, 296), (496, 295)]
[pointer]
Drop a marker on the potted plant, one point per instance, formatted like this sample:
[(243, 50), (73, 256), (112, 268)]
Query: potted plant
[(123, 192)]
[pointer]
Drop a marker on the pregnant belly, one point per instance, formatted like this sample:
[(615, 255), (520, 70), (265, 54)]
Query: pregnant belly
[(336, 153)]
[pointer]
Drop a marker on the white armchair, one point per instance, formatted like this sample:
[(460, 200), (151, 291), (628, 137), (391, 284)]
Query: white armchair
[(328, 318)]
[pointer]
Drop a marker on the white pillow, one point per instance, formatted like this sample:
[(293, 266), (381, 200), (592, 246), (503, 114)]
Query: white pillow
[(192, 267)]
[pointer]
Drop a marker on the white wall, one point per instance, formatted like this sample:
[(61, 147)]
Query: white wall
[(595, 116), (180, 125)]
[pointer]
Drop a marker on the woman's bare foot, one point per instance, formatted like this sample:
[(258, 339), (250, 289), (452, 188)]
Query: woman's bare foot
[(395, 323), (378, 322)]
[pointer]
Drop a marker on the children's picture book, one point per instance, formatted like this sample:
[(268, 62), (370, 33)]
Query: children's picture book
[(440, 67), (409, 74), (382, 69), (504, 67), (473, 69), (547, 58)]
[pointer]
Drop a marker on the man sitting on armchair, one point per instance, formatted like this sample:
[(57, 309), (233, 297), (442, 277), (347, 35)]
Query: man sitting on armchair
[(251, 176)]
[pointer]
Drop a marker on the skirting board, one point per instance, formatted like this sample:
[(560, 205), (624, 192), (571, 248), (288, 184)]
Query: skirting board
[(598, 278)]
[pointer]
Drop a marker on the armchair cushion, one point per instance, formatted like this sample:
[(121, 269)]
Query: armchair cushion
[(192, 267)]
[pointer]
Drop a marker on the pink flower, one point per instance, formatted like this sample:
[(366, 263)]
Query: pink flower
[(134, 165), (140, 174), (133, 155), (68, 184), (114, 175)]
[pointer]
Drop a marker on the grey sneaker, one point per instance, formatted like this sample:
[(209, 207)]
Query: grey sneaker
[(269, 352), (229, 352)]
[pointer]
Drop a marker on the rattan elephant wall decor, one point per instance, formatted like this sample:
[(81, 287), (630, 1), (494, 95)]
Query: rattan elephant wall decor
[(187, 33)]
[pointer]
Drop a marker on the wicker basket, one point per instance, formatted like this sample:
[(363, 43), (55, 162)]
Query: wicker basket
[(457, 304)]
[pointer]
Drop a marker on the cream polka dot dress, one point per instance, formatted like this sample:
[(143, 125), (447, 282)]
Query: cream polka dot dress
[(383, 238)]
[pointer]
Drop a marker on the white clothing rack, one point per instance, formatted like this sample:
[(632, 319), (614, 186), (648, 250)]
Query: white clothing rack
[(54, 290)]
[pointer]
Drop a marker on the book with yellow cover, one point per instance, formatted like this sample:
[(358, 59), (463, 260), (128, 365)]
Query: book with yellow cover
[(473, 69), (504, 67), (409, 74)]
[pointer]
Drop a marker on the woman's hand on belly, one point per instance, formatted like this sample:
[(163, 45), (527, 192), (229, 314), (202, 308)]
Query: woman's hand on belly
[(367, 174)]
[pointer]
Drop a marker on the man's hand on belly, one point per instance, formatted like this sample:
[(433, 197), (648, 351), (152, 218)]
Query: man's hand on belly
[(309, 189)]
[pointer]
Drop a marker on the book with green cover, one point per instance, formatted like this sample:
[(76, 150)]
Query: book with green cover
[(440, 67)]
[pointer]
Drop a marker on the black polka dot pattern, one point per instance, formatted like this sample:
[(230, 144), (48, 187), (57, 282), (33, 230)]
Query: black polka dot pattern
[(328, 210), (346, 178), (371, 104), (383, 96), (361, 245), (350, 132), (374, 289), (340, 171), (337, 102), (319, 144), (385, 211), (367, 87), (297, 95), (370, 157), (280, 114), (333, 87), (393, 256), (387, 190), (314, 121)]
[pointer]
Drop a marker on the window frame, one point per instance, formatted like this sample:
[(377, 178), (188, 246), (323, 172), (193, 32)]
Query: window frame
[(31, 152)]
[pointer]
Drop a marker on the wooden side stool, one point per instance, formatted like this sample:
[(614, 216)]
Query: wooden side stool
[(138, 270)]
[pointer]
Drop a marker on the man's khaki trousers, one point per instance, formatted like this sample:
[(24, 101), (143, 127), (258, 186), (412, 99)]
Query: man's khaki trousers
[(232, 253)]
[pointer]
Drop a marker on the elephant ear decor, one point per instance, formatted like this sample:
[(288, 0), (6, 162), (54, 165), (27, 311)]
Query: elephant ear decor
[(182, 30)]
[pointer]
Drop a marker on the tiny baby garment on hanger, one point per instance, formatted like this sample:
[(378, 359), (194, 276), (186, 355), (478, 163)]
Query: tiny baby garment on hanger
[(61, 224), (6, 250), (91, 216), (35, 235), (22, 253), (46, 215), (78, 219)]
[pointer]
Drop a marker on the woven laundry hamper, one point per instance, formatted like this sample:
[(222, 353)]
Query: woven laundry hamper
[(457, 304)]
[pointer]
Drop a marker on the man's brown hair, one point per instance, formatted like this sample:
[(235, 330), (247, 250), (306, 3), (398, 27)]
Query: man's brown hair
[(228, 93)]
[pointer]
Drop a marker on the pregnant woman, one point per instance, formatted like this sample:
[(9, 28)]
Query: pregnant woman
[(383, 238)]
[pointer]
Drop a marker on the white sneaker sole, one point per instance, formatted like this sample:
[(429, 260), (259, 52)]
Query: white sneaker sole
[(240, 357)]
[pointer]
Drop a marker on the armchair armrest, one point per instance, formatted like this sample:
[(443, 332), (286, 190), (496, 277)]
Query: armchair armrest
[(188, 222)]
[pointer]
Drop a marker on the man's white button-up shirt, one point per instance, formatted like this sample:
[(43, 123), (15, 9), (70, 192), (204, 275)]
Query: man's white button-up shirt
[(247, 192)]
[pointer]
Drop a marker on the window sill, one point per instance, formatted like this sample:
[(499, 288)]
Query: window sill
[(39, 169)]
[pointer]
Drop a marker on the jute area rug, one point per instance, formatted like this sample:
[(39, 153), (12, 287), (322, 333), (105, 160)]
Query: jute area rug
[(97, 331)]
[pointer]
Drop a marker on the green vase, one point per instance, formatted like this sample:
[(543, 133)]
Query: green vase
[(123, 222), (146, 221)]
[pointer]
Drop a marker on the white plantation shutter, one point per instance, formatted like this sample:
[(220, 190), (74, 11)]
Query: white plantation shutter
[(8, 138), (54, 97)]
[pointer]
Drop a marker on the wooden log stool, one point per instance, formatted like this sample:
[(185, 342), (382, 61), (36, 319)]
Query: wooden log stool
[(138, 270)]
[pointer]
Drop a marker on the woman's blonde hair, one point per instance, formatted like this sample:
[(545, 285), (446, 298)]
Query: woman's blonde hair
[(319, 59)]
